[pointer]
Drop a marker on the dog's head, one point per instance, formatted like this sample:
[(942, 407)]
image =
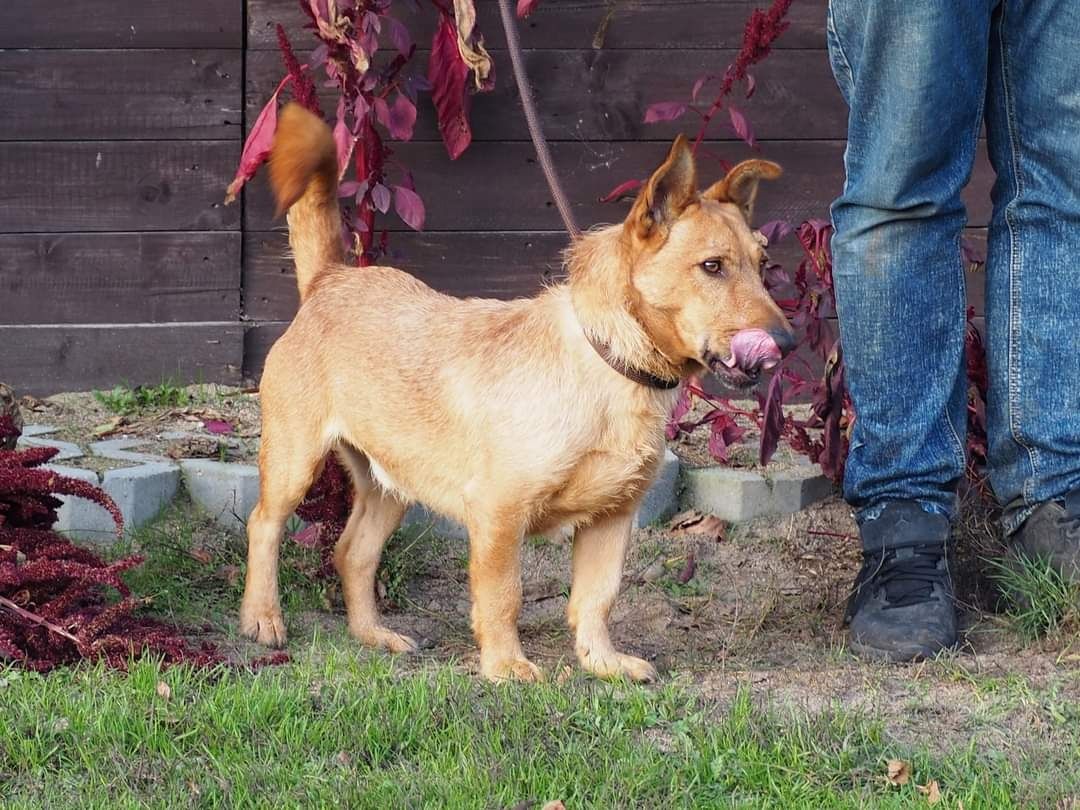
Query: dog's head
[(696, 270)]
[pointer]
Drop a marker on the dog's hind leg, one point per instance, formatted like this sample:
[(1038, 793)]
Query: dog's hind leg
[(599, 550), (495, 580), (288, 465), (374, 517)]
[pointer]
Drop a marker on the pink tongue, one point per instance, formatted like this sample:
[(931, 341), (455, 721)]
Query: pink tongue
[(755, 347)]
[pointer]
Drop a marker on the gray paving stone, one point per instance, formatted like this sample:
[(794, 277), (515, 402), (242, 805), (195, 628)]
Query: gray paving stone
[(37, 436), (79, 518), (120, 450), (739, 495), (662, 499), (227, 491), (142, 492)]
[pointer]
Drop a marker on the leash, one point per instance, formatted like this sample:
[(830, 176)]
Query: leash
[(543, 155), (528, 104)]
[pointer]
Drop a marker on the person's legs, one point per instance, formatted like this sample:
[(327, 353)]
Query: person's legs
[(1033, 269), (914, 76)]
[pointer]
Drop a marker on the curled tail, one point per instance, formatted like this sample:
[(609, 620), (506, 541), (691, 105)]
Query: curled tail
[(303, 175)]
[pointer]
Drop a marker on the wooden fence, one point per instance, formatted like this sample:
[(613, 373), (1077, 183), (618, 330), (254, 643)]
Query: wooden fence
[(122, 125)]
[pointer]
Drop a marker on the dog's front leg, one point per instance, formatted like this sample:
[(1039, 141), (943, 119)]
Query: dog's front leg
[(599, 550), (495, 581)]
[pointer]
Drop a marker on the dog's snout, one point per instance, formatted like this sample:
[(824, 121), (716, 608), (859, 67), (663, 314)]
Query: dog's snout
[(784, 338)]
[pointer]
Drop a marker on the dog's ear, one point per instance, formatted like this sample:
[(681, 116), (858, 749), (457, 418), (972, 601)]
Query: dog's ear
[(667, 193), (740, 186)]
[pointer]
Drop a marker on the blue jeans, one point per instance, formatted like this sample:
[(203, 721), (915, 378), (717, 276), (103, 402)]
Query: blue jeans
[(919, 78)]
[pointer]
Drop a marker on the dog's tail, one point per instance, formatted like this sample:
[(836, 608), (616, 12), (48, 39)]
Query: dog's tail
[(303, 175)]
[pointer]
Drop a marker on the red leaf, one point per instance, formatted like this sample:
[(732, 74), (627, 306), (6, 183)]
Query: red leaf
[(621, 190), (380, 197), (447, 73), (402, 118), (526, 7), (772, 421), (700, 83), (218, 426), (751, 85), (257, 146), (682, 407), (741, 126), (724, 432), (308, 537), (664, 111), (775, 230), (409, 207)]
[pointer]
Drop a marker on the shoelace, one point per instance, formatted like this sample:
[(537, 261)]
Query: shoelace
[(907, 580)]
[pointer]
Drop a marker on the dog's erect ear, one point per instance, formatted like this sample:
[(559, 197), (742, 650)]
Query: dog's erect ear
[(667, 193), (741, 184)]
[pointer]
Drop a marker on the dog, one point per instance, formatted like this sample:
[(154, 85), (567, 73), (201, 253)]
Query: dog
[(511, 417)]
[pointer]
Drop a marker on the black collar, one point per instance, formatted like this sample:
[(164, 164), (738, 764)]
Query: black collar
[(637, 375)]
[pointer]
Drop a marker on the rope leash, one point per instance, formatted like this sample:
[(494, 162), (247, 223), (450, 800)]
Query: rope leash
[(532, 119)]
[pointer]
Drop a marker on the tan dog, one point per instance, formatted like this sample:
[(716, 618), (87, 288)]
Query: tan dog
[(511, 417)]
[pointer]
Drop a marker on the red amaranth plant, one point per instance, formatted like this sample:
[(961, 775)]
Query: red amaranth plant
[(376, 99), (53, 604), (808, 300)]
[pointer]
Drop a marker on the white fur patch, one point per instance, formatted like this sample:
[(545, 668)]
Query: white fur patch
[(383, 479)]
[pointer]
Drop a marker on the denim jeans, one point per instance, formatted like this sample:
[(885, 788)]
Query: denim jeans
[(919, 78)]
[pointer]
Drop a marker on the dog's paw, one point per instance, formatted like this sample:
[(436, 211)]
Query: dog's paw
[(266, 626), (617, 665), (383, 638), (511, 669)]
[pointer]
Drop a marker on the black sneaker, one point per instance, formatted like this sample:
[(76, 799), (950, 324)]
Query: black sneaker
[(902, 606), (1052, 533)]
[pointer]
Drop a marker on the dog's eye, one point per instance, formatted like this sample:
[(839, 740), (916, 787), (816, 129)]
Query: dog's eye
[(713, 266)]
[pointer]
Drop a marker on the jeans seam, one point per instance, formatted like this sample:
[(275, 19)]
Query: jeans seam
[(830, 27), (1015, 270)]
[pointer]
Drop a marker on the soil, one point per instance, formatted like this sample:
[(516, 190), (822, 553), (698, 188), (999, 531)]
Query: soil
[(82, 418)]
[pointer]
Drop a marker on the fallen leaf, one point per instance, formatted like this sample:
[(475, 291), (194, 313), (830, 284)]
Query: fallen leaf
[(694, 522), (565, 674), (898, 772), (230, 573), (218, 427), (931, 791), (201, 555), (108, 427), (343, 758), (688, 570), (555, 805), (59, 724), (164, 690)]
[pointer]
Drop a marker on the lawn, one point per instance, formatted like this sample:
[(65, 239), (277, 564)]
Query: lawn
[(765, 722)]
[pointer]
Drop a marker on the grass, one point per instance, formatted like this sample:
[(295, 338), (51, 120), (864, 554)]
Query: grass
[(126, 400), (1042, 601), (341, 728)]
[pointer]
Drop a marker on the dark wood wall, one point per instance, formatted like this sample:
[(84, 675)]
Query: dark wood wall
[(122, 126)]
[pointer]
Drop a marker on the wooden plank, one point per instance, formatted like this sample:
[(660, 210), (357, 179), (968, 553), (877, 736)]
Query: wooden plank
[(498, 186), (602, 95), (485, 264), (117, 186), (42, 360), (257, 342), (670, 24), (110, 24), (119, 277), (89, 95)]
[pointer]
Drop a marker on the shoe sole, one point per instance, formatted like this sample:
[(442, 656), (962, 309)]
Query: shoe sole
[(912, 655)]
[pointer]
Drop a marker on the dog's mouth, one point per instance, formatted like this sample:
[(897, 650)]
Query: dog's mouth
[(751, 352)]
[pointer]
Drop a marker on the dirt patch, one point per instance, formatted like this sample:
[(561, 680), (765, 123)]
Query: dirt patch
[(221, 423)]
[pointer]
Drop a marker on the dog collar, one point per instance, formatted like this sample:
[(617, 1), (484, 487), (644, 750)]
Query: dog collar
[(637, 375)]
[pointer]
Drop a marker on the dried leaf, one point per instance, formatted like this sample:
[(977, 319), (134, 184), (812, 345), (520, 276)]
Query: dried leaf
[(201, 554), (164, 690), (898, 772), (931, 791), (694, 522), (447, 73), (554, 805), (688, 569), (106, 428)]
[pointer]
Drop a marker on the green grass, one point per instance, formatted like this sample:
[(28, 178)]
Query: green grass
[(1041, 600), (340, 728), (126, 400)]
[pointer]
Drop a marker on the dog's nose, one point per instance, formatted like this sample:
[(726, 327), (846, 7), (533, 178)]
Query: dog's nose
[(784, 339)]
